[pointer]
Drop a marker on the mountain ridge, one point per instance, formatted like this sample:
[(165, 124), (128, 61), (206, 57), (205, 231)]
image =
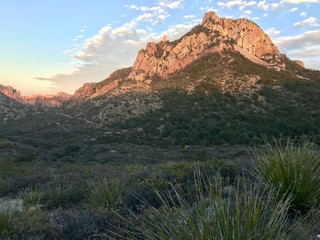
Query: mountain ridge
[(158, 61), (38, 100)]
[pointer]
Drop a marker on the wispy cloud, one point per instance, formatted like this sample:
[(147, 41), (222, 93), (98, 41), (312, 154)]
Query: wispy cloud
[(312, 21), (293, 10), (114, 48), (272, 32), (305, 47), (301, 1), (189, 16)]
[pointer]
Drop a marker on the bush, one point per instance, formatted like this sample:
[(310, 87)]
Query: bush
[(6, 224), (105, 193), (31, 196), (293, 170), (220, 212)]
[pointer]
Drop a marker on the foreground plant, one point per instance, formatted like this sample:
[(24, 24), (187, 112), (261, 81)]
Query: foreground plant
[(31, 196), (293, 170), (6, 224), (105, 193), (219, 212)]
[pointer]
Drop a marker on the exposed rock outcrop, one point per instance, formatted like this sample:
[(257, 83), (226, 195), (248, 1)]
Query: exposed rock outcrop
[(299, 62), (92, 90), (11, 93), (213, 35), (47, 100), (35, 100)]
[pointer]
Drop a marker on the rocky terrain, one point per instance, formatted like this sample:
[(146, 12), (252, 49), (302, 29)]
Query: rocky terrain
[(222, 82), (11, 110), (77, 167), (213, 35), (35, 100)]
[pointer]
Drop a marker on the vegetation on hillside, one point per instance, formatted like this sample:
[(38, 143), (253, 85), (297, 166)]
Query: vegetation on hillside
[(281, 105), (208, 198)]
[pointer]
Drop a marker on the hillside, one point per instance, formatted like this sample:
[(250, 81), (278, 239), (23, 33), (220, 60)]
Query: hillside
[(52, 100), (226, 88), (177, 141), (12, 110)]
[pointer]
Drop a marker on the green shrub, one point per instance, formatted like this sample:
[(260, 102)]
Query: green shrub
[(55, 196), (220, 212), (293, 170), (31, 196), (6, 224), (38, 224), (104, 193)]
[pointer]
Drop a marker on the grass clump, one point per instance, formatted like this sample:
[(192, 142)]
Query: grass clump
[(293, 170), (219, 211), (31, 196), (104, 193), (6, 223)]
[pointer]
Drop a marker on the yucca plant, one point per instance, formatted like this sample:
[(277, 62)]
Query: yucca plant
[(31, 196), (219, 212), (104, 193), (6, 223), (293, 170)]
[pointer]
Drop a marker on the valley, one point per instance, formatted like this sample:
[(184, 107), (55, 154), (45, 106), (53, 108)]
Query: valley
[(132, 145)]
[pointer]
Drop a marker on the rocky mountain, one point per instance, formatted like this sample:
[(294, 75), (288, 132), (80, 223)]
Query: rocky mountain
[(166, 58), (35, 100), (224, 82), (11, 109), (51, 100), (231, 64), (11, 93), (212, 36)]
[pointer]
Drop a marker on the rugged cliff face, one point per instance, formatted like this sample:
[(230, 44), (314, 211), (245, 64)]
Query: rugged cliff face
[(11, 93), (91, 90), (35, 100), (47, 100), (11, 109), (213, 35)]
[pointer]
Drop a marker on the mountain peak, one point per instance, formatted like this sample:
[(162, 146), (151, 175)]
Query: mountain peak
[(210, 16), (214, 35)]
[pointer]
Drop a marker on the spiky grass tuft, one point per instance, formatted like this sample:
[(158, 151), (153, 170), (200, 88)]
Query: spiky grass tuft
[(293, 170)]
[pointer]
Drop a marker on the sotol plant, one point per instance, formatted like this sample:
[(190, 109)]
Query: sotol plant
[(31, 197), (219, 212), (293, 170), (104, 193)]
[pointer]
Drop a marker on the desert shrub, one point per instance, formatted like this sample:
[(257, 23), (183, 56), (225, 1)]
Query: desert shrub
[(55, 196), (37, 224), (293, 169), (105, 193), (6, 224), (31, 196), (221, 211)]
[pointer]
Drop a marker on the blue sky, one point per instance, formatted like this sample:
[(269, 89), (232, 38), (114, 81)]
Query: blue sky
[(49, 46)]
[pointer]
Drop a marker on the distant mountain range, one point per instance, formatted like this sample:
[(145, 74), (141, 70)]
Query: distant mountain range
[(223, 82), (35, 100)]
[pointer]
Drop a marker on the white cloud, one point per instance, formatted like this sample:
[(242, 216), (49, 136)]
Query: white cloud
[(114, 48), (293, 10), (312, 21), (272, 32), (305, 47), (301, 1), (242, 4), (247, 4), (174, 5), (189, 16), (303, 14), (263, 5), (230, 4)]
